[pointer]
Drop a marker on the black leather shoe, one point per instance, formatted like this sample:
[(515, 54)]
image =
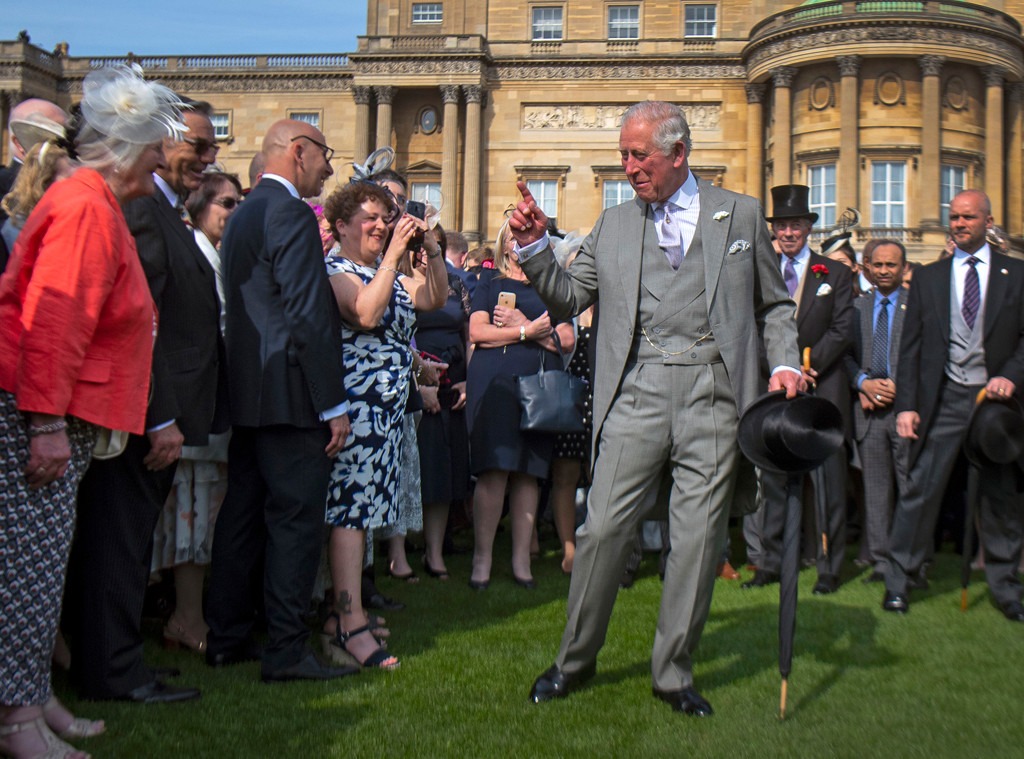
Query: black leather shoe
[(688, 701), (897, 602), (875, 576), (825, 585), (1014, 611), (530, 584), (380, 601), (158, 692), (761, 578), (248, 651), (555, 683), (480, 586), (309, 668)]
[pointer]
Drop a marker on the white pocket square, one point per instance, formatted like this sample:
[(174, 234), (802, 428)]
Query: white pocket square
[(739, 246), (825, 289)]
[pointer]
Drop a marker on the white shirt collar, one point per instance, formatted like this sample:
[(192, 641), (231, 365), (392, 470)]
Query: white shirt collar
[(685, 195), (171, 195), (288, 185), (983, 254)]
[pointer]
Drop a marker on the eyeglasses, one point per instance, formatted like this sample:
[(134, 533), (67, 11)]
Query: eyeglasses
[(201, 146), (228, 204), (328, 151)]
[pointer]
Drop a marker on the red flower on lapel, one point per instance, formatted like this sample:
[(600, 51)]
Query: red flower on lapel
[(820, 270)]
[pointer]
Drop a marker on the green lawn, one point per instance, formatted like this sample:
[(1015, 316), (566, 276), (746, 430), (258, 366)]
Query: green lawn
[(865, 683)]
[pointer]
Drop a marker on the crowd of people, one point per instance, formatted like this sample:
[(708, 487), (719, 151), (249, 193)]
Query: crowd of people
[(247, 393)]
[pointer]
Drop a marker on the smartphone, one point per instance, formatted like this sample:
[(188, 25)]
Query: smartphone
[(416, 208), (507, 299)]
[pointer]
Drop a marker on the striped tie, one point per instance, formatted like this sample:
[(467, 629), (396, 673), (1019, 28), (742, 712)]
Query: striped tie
[(880, 344), (972, 293)]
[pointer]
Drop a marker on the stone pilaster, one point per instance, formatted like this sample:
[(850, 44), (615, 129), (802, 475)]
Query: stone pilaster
[(471, 172), (782, 78), (385, 95), (848, 176), (755, 139), (994, 155), (450, 155), (931, 139)]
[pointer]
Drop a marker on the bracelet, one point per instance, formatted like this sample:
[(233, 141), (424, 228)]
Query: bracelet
[(522, 333), (385, 267), (35, 430)]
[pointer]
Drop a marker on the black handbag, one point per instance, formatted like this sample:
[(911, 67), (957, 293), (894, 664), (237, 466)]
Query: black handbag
[(551, 400)]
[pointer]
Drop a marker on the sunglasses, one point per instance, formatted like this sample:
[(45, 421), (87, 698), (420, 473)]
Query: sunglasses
[(202, 147), (228, 204)]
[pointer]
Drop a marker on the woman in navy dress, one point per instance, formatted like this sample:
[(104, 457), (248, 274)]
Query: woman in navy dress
[(509, 342), (378, 307)]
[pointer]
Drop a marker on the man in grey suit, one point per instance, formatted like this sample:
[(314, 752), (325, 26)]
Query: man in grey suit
[(872, 366), (682, 319)]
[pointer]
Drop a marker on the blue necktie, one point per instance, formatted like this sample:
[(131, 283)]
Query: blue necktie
[(880, 344), (972, 293), (789, 277)]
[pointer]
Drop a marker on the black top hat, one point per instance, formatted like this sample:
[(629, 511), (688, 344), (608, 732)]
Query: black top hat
[(995, 433), (790, 202), (790, 436)]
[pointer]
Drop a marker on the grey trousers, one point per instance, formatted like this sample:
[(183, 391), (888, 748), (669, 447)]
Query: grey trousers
[(683, 416), (883, 457)]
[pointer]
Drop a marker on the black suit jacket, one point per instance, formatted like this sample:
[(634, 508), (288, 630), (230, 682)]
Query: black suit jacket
[(188, 382), (824, 323), (924, 347), (7, 176), (283, 325)]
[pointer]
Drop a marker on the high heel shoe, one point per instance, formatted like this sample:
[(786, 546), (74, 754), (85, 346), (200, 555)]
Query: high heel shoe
[(442, 575), (55, 747), (175, 635), (529, 584), (377, 659), (78, 728), (479, 586)]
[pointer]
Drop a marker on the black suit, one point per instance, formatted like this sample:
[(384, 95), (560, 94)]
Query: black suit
[(824, 322), (944, 407), (7, 176), (119, 501), (285, 368)]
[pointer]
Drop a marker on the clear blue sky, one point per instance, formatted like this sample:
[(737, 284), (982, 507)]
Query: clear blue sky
[(144, 27)]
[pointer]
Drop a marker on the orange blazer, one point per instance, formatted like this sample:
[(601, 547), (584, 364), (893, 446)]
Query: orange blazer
[(76, 316)]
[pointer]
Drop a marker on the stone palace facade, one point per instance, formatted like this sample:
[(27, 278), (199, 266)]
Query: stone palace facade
[(888, 107)]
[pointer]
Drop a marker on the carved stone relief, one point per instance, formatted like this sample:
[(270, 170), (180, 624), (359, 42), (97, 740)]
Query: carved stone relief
[(700, 116)]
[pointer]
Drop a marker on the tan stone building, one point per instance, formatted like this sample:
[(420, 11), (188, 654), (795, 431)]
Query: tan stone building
[(889, 107)]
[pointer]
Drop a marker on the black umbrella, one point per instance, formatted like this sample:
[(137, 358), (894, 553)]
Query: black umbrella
[(968, 550)]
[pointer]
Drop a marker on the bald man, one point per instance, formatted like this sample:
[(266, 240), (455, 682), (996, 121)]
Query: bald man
[(288, 412)]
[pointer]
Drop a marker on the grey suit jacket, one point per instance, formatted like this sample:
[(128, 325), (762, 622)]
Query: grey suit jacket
[(859, 358), (746, 297)]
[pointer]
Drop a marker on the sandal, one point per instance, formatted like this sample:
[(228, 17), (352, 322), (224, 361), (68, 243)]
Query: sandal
[(175, 636), (378, 659), (55, 747), (78, 728), (436, 574)]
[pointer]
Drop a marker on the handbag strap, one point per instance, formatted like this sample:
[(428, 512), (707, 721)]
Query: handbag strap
[(543, 351)]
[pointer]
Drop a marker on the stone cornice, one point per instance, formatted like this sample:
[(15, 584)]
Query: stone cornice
[(291, 82), (587, 70)]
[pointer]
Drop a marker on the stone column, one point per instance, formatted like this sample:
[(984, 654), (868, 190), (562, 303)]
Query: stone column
[(471, 172), (384, 97), (450, 155), (1014, 208), (361, 147), (755, 140), (994, 155), (782, 78), (848, 175), (931, 140)]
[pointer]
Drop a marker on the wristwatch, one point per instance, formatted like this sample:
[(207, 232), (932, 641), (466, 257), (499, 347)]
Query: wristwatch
[(522, 333)]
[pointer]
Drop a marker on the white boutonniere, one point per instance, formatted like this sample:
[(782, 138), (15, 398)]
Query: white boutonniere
[(721, 215), (739, 246), (824, 290), (903, 306), (1003, 271)]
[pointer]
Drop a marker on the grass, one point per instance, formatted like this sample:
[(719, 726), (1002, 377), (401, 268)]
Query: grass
[(865, 683)]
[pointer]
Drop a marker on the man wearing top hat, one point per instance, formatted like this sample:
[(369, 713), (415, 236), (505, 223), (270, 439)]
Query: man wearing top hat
[(823, 292), (963, 332)]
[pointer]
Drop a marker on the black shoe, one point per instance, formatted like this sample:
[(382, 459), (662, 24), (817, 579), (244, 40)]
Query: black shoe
[(162, 672), (688, 701), (897, 602), (380, 601), (248, 651), (1014, 611), (480, 586), (826, 585), (431, 572), (918, 581), (761, 578), (158, 692), (309, 668), (875, 576), (628, 578), (530, 584), (555, 683)]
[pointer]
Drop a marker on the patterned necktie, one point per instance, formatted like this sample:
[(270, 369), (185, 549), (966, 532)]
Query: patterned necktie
[(972, 293), (184, 214), (669, 238), (880, 344), (789, 277)]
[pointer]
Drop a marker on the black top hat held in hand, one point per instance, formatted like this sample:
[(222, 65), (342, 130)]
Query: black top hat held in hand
[(790, 436)]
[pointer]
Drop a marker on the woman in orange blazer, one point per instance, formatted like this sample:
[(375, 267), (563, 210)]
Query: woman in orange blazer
[(76, 340)]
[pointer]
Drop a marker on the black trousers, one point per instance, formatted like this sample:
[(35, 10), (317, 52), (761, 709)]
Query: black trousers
[(119, 503), (272, 516)]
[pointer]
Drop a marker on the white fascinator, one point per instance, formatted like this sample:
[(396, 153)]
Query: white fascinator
[(119, 103)]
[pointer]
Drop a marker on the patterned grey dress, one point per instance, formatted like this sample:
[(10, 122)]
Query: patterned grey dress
[(363, 493)]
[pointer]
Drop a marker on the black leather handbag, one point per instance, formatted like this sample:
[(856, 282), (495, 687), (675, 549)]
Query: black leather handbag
[(551, 400)]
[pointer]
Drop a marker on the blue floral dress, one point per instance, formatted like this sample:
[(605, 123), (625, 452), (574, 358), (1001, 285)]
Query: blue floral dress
[(363, 493)]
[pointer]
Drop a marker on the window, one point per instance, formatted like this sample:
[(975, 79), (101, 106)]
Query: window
[(545, 192), (426, 192), (427, 13), (623, 22), (888, 194), (616, 191), (221, 125), (547, 23), (822, 181), (953, 181), (701, 21), (308, 117)]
